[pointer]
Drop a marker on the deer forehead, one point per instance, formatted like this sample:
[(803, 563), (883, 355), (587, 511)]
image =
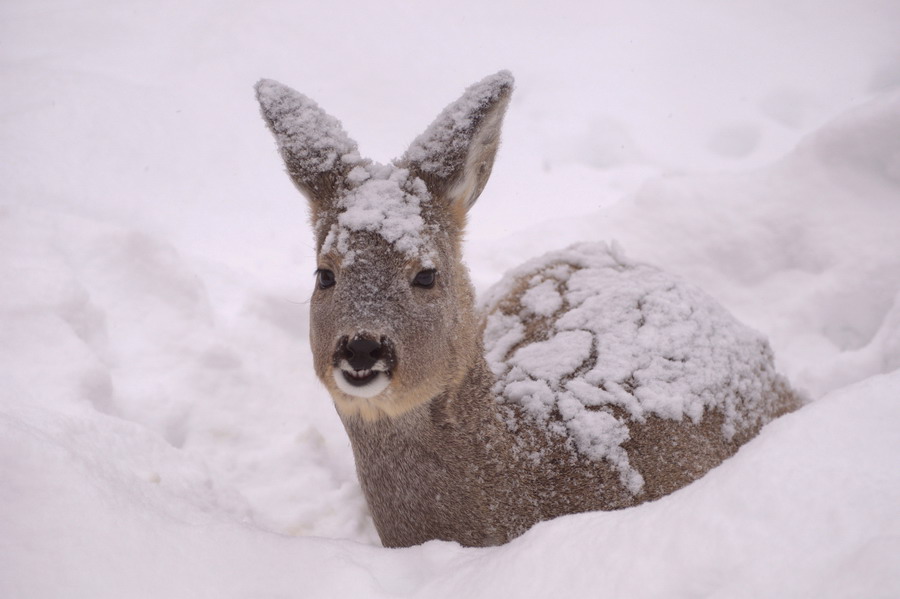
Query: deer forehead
[(381, 205)]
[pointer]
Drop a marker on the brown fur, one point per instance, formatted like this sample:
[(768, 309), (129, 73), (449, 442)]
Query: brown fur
[(435, 452)]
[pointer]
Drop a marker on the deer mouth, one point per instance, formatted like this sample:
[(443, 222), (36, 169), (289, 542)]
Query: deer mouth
[(360, 378), (362, 383)]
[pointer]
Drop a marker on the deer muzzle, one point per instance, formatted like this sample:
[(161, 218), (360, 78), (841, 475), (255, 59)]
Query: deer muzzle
[(363, 364)]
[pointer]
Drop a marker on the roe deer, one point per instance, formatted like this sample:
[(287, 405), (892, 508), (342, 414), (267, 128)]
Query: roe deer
[(586, 382)]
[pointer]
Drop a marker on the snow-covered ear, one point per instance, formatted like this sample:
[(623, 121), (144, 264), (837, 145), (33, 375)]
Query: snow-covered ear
[(316, 149), (455, 155)]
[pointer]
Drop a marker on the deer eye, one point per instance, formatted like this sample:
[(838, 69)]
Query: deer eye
[(325, 278), (425, 279)]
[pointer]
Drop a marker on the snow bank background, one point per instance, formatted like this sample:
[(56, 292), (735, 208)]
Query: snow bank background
[(162, 433)]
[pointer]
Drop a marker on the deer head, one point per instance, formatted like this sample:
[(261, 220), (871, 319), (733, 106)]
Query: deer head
[(392, 321)]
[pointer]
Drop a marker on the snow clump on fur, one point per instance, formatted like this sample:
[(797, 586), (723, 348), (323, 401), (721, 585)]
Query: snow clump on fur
[(584, 341)]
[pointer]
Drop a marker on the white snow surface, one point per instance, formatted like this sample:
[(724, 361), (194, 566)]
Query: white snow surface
[(161, 431)]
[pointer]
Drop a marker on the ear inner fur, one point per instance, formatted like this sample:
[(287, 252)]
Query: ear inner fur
[(455, 154)]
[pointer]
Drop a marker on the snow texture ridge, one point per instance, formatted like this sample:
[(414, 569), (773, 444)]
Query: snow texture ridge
[(586, 341), (441, 149)]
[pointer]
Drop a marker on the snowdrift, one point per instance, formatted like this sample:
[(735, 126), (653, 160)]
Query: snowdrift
[(146, 433), (161, 433), (98, 507)]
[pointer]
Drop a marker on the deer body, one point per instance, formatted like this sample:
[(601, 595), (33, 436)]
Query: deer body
[(605, 383)]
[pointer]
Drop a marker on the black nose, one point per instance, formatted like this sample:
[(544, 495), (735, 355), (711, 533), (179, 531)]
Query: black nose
[(362, 352)]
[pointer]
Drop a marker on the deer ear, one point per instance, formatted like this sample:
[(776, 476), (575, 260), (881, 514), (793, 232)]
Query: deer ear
[(455, 155), (317, 151)]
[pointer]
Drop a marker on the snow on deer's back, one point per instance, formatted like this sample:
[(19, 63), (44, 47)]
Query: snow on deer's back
[(586, 344)]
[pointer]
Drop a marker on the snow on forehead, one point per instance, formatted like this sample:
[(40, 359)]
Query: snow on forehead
[(382, 199)]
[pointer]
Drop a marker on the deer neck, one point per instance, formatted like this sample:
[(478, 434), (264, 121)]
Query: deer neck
[(436, 470)]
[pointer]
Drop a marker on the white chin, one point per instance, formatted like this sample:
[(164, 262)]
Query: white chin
[(370, 389)]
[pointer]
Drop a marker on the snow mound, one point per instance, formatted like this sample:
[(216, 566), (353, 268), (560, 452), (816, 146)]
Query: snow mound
[(862, 144), (807, 509), (441, 149), (585, 340), (99, 317)]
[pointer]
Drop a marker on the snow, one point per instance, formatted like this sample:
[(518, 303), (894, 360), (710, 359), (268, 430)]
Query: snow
[(148, 524), (386, 201), (162, 431)]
